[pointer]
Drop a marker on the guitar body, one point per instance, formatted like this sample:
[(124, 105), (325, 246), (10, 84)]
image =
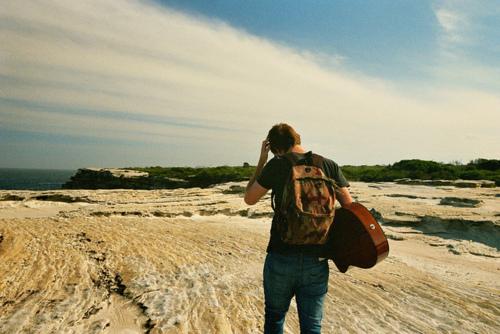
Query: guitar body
[(356, 239)]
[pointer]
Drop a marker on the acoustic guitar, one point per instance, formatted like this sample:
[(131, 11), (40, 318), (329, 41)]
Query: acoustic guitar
[(356, 239)]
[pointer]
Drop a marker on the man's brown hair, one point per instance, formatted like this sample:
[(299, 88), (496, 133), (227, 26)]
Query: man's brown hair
[(282, 137)]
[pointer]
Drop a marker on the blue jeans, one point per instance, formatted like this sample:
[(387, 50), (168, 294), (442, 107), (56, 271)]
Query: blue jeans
[(286, 276)]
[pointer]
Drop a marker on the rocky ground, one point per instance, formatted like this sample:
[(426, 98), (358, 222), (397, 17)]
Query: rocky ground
[(190, 261)]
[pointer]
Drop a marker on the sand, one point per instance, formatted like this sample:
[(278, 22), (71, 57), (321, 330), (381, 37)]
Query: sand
[(190, 261)]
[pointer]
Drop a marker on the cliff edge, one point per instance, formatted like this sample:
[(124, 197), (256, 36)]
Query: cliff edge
[(108, 178)]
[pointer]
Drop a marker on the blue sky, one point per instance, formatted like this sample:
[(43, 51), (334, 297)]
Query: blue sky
[(370, 33), (199, 83)]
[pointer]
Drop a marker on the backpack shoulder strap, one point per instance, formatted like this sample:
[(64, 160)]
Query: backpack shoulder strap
[(317, 160), (312, 159), (292, 158)]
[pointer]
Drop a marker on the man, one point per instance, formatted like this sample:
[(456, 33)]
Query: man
[(291, 270)]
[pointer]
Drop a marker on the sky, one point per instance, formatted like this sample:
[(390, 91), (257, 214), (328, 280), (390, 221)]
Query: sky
[(136, 83)]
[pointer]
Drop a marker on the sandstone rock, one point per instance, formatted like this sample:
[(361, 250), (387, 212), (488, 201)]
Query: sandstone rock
[(190, 261), (462, 202), (467, 184), (439, 182), (410, 181), (235, 189), (454, 183), (488, 184)]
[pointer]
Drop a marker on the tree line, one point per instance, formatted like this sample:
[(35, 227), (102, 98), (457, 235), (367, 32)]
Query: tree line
[(479, 169)]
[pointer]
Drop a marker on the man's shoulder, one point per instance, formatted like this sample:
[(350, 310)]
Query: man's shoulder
[(278, 160), (276, 164), (274, 171), (329, 161)]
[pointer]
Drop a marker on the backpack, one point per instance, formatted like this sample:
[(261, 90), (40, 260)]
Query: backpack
[(307, 208)]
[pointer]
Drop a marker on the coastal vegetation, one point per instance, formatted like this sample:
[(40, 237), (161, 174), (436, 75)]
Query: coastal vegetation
[(202, 176), (479, 169)]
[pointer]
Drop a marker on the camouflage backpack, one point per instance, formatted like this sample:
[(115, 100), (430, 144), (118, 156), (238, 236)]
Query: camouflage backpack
[(307, 208)]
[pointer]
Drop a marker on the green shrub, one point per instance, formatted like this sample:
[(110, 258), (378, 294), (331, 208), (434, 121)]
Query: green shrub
[(423, 166), (491, 165), (472, 175)]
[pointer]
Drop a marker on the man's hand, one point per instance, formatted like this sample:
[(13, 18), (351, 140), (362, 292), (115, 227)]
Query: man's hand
[(254, 190), (264, 151)]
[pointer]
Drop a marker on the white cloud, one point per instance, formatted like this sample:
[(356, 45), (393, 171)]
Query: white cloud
[(467, 44), (452, 23), (128, 70), (464, 23)]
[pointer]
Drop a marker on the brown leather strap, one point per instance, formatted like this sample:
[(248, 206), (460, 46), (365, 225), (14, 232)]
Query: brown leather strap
[(317, 160), (294, 160)]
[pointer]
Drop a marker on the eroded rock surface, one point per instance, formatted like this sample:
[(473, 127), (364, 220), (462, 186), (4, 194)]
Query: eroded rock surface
[(190, 261)]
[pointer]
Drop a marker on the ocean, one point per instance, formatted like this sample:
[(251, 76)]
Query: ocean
[(33, 179)]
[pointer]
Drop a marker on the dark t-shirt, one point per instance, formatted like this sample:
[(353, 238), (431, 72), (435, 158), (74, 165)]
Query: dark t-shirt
[(274, 177)]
